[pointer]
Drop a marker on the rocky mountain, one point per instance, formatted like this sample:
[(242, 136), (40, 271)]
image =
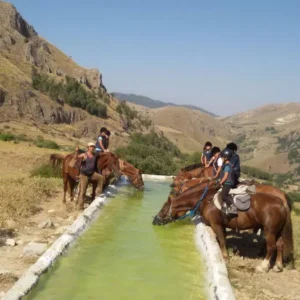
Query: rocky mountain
[(44, 88), (148, 102)]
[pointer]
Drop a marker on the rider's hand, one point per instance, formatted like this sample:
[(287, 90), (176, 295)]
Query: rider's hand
[(77, 148)]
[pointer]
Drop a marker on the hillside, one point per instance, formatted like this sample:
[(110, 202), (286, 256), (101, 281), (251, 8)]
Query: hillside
[(269, 138), (44, 92), (150, 103)]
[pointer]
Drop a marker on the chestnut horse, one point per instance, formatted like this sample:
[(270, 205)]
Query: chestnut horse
[(134, 175), (199, 172), (260, 188), (107, 162), (266, 211)]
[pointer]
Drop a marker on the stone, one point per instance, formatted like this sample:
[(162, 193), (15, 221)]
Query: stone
[(10, 224), (20, 242), (34, 250), (10, 242), (2, 294), (51, 211), (46, 225)]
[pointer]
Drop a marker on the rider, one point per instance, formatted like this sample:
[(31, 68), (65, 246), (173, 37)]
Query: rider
[(206, 154), (226, 180), (88, 172), (101, 141), (235, 163), (106, 143), (216, 161)]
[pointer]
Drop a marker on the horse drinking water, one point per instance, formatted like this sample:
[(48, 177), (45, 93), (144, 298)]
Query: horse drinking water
[(266, 211)]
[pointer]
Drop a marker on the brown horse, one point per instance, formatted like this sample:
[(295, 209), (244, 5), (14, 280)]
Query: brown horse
[(266, 211), (260, 188), (107, 162), (134, 175), (199, 172)]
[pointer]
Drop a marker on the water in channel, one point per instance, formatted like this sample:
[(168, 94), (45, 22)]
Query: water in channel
[(123, 256)]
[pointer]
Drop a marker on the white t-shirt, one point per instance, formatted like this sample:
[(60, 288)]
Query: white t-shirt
[(220, 162)]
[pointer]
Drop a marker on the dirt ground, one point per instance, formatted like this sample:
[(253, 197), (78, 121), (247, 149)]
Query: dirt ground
[(244, 250)]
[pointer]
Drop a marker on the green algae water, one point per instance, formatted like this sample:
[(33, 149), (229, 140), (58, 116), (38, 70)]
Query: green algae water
[(123, 256)]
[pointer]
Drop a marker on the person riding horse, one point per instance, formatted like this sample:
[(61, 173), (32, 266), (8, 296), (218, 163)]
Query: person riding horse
[(88, 171), (235, 163), (206, 154), (227, 181)]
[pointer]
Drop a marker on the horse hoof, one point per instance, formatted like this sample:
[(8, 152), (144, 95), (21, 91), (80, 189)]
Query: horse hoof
[(277, 269), (262, 269)]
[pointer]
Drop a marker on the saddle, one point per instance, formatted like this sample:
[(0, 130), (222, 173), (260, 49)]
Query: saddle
[(241, 197)]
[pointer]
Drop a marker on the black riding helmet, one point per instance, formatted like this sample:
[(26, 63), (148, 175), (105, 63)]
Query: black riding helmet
[(227, 154), (232, 146)]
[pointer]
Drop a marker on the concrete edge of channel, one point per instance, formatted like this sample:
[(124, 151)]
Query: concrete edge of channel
[(218, 284), (31, 277)]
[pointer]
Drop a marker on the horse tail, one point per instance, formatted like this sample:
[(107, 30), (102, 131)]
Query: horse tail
[(289, 201), (287, 236), (56, 159)]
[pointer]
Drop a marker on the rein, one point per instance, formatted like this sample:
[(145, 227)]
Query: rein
[(191, 213)]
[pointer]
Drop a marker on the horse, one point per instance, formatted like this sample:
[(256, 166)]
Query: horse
[(134, 175), (198, 172), (266, 211), (107, 162), (260, 188)]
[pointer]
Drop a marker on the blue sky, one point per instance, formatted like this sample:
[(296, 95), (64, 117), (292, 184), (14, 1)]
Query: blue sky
[(224, 56)]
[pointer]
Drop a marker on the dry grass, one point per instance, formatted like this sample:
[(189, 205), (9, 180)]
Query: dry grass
[(21, 197)]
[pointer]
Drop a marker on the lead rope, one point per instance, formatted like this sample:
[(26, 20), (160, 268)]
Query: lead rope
[(192, 212)]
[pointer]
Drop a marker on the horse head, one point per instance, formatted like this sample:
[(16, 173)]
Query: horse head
[(178, 206), (134, 175)]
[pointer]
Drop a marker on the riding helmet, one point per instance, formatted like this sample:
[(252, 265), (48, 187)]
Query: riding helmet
[(232, 146), (227, 153)]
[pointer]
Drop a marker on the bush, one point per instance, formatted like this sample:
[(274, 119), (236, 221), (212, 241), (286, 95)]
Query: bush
[(46, 171), (41, 143), (152, 153), (256, 173), (6, 137), (71, 92), (294, 196)]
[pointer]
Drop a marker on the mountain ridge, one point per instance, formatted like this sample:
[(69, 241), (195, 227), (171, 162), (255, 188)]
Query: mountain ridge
[(151, 103)]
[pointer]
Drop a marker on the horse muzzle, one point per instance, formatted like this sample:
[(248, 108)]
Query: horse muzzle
[(159, 221)]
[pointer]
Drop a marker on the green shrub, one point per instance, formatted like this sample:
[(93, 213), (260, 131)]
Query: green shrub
[(256, 173), (41, 143), (71, 92), (46, 171), (6, 137)]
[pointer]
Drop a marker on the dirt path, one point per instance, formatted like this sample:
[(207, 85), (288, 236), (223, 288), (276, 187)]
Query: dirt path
[(12, 264)]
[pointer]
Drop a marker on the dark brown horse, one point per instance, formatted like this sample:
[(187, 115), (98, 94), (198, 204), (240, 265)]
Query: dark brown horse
[(266, 211), (134, 175), (107, 162)]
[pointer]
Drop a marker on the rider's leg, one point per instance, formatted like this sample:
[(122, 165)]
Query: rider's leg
[(100, 180), (84, 180), (227, 199)]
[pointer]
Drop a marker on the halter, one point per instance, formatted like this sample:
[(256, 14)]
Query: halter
[(136, 176)]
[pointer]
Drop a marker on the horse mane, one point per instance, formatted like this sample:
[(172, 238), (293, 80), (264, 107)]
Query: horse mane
[(192, 167)]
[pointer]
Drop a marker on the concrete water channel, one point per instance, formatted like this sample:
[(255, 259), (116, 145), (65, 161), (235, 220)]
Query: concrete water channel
[(123, 256)]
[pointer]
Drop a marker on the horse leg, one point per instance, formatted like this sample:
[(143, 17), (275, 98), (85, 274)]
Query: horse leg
[(65, 179), (271, 247), (218, 230), (278, 263), (72, 187)]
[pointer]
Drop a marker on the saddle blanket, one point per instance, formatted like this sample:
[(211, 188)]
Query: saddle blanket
[(240, 195)]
